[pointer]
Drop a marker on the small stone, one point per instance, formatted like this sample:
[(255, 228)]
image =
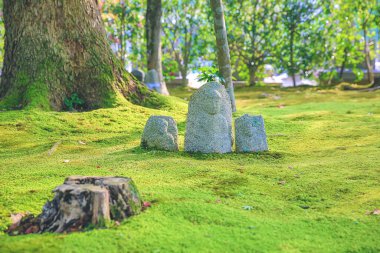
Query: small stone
[(263, 95), (152, 81), (139, 74), (66, 161), (160, 133), (209, 120), (248, 208), (250, 134)]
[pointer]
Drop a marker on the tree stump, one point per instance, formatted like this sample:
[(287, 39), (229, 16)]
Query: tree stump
[(83, 202)]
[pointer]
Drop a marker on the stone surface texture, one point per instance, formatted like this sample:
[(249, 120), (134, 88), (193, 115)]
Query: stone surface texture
[(160, 133), (139, 74), (250, 134), (209, 120), (152, 80), (82, 202)]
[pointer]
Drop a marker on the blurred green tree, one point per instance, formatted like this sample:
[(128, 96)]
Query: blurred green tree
[(185, 37), (253, 32)]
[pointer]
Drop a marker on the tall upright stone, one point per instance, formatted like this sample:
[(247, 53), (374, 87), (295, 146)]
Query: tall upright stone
[(250, 134), (152, 80), (139, 74), (209, 120), (160, 133)]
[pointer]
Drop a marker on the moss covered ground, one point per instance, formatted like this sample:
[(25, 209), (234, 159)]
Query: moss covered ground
[(313, 192)]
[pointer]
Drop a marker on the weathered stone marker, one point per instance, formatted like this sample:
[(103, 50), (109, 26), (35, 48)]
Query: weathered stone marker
[(160, 133), (250, 134), (83, 201), (152, 81), (209, 120), (139, 74)]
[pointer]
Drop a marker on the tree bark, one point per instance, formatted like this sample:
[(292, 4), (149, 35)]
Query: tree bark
[(224, 61), (252, 75), (153, 40), (122, 34), (370, 74), (342, 68), (83, 202), (292, 72), (184, 81), (54, 49)]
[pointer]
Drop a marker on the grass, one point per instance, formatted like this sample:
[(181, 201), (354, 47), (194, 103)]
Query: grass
[(311, 193)]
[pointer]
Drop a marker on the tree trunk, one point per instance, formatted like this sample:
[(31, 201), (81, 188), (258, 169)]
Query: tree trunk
[(370, 74), (252, 75), (184, 81), (122, 34), (182, 66), (54, 49), (343, 64), (153, 40), (224, 61), (292, 72)]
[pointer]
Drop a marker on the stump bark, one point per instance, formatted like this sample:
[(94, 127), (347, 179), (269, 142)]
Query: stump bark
[(83, 202)]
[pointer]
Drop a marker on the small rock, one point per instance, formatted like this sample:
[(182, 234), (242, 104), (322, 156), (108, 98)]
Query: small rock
[(160, 133), (139, 74), (250, 134), (152, 80), (66, 161), (248, 208)]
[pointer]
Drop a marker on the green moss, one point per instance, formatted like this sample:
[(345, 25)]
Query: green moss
[(37, 96), (312, 192), (27, 95)]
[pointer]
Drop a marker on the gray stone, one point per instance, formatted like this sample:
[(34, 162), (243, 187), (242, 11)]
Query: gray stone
[(139, 74), (250, 134), (160, 133), (209, 120), (152, 81)]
